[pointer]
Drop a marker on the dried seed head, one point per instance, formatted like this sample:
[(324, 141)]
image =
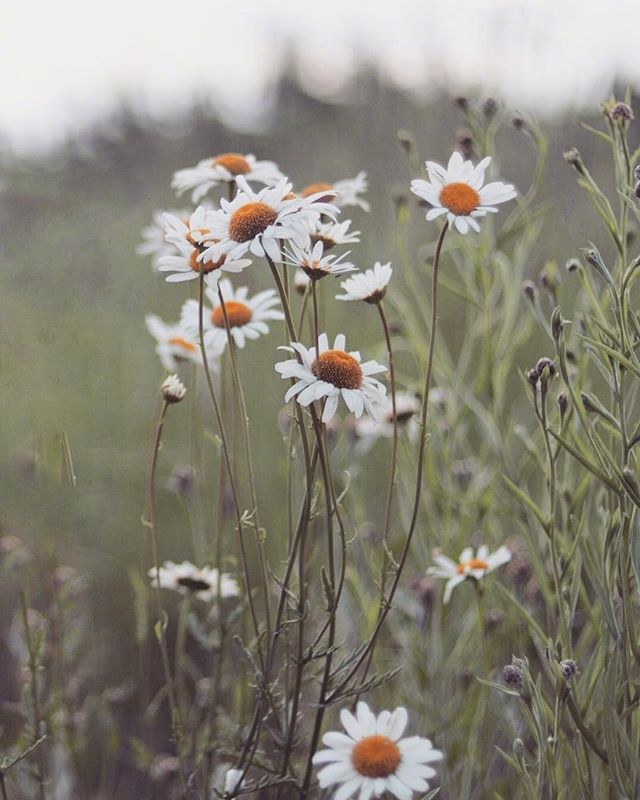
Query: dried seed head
[(172, 390), (512, 675), (622, 112), (568, 668)]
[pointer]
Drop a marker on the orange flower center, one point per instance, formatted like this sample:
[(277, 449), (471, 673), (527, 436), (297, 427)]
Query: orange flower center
[(206, 267), (338, 368), (251, 220), (312, 270), (238, 314), (314, 188), (376, 756), (183, 344), (234, 163), (475, 563), (460, 198)]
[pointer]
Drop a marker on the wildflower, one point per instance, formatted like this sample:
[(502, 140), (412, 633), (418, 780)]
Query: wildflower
[(172, 390), (621, 112), (457, 191), (468, 566), (333, 373), (173, 343), (316, 265), (246, 316), (407, 406), (333, 233), (372, 759), (370, 285), (259, 222), (225, 168), (188, 579), (154, 243), (346, 192)]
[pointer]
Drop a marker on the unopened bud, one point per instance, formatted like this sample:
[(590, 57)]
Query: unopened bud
[(622, 112), (563, 403), (573, 157), (512, 676), (557, 323), (172, 390), (529, 290)]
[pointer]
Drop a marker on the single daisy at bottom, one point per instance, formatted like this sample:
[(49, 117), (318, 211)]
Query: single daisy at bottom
[(372, 758), (333, 374), (469, 565)]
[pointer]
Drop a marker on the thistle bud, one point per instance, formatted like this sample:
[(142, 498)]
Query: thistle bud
[(172, 390)]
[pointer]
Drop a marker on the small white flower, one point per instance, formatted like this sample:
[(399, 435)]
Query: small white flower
[(316, 265), (468, 566), (370, 285), (372, 758), (260, 222), (246, 315), (201, 582), (211, 172), (154, 243), (407, 407), (333, 374), (172, 390), (173, 343), (332, 233), (457, 191), (347, 191)]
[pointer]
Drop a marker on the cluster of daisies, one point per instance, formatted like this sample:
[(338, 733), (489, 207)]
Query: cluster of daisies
[(212, 244)]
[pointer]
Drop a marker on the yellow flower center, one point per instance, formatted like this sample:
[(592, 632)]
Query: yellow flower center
[(460, 198), (314, 188), (238, 314), (234, 163), (376, 756), (183, 344), (338, 368), (251, 220), (206, 267), (474, 563)]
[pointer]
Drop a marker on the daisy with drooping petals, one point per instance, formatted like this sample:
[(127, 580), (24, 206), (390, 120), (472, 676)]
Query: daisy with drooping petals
[(314, 264), (347, 191), (211, 172), (332, 374), (468, 566), (332, 233), (188, 579), (247, 316), (154, 243), (260, 222), (370, 285), (372, 758), (458, 192)]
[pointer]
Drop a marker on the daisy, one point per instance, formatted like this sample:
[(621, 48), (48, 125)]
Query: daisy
[(224, 168), (370, 286), (468, 566), (372, 759), (333, 374), (333, 233), (188, 579), (154, 244), (175, 345), (173, 390), (407, 406), (347, 191), (457, 191), (247, 316), (312, 262), (260, 222)]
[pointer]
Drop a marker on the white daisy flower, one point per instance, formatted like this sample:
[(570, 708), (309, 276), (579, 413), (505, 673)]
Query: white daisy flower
[(457, 191), (370, 285), (316, 265), (260, 222), (333, 374), (407, 407), (372, 758), (154, 243), (173, 390), (201, 582), (175, 345), (468, 566), (347, 191), (247, 315), (224, 168), (333, 233)]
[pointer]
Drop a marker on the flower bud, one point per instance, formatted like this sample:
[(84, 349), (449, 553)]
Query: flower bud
[(489, 107), (568, 668), (529, 290), (622, 112), (172, 390), (573, 157)]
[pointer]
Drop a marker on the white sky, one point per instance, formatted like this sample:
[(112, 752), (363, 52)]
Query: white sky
[(64, 63)]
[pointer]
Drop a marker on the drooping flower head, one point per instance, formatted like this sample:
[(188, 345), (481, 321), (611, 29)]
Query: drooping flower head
[(468, 566), (210, 172), (370, 285), (259, 222), (372, 758), (347, 191), (247, 316), (333, 374), (458, 192)]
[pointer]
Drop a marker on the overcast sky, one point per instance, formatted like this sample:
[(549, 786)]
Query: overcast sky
[(67, 62)]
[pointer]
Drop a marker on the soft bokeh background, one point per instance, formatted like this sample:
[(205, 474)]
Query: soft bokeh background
[(105, 103)]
